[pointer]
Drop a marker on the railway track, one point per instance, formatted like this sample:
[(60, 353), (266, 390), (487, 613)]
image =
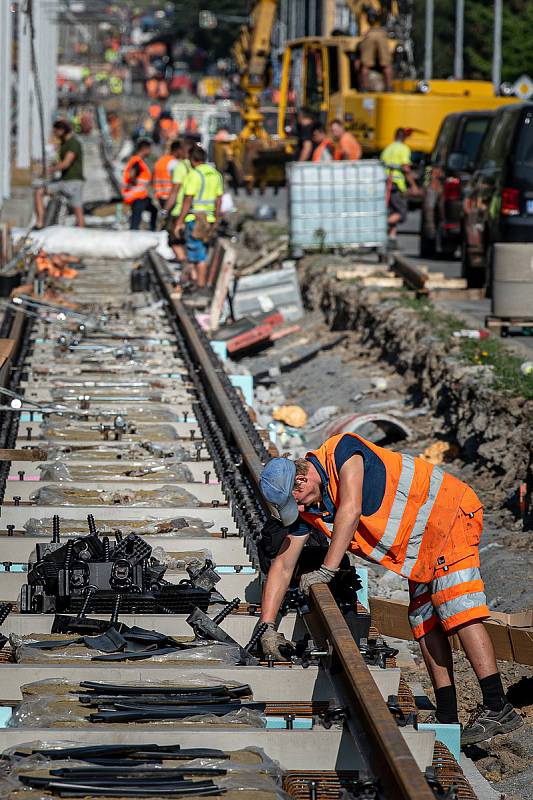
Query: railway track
[(143, 359)]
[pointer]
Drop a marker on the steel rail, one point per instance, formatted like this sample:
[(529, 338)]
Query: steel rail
[(369, 720), (382, 744)]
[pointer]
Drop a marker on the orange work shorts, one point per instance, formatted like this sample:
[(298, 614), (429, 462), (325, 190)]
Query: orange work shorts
[(456, 593)]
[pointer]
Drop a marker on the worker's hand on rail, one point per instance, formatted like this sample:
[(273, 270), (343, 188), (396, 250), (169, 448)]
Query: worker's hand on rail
[(322, 575), (276, 645)]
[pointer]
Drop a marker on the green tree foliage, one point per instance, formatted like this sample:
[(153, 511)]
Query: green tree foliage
[(216, 42), (517, 38)]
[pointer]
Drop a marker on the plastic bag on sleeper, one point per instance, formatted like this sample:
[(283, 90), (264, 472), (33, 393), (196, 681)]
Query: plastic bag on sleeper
[(188, 526), (166, 497), (48, 712), (180, 680), (54, 471), (181, 560)]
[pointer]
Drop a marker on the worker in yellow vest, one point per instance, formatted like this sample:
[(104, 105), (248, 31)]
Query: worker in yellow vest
[(398, 164), (203, 189), (136, 180), (174, 202)]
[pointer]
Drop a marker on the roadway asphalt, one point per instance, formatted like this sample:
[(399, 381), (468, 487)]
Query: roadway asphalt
[(473, 311)]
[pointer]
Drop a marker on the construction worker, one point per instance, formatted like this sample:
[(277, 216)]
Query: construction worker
[(174, 201), (169, 128), (304, 132), (323, 146), (375, 52), (191, 125), (136, 181), (412, 518), (162, 174), (70, 164), (202, 195), (347, 148), (397, 159)]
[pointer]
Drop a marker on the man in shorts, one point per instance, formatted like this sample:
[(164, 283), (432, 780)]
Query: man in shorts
[(174, 201), (397, 160), (70, 184), (375, 52), (413, 519)]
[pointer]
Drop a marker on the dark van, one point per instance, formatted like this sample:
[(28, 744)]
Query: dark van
[(450, 166), (498, 204)]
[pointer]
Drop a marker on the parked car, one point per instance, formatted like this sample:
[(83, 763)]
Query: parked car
[(498, 205), (449, 168)]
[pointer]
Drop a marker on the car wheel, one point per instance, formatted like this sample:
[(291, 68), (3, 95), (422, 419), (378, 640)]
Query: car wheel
[(475, 276)]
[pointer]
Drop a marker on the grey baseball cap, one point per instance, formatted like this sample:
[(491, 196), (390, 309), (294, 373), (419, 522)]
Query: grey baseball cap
[(277, 484)]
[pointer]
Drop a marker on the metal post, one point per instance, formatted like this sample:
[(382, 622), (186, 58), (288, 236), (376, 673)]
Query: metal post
[(6, 39), (497, 47), (459, 38), (428, 45), (23, 158)]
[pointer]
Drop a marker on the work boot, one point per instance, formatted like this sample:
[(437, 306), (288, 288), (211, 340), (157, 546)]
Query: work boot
[(484, 724)]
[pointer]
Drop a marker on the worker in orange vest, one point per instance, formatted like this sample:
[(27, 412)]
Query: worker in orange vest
[(163, 169), (412, 518), (191, 124), (323, 146), (169, 128), (347, 148), (154, 110), (136, 181), (152, 88)]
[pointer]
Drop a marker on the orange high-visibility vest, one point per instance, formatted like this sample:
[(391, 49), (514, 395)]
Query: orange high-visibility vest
[(410, 529), (348, 148), (162, 178), (170, 128), (319, 150), (139, 189)]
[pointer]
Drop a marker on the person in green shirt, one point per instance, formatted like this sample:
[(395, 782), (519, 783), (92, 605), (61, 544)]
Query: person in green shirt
[(202, 195), (70, 164), (397, 160), (174, 201)]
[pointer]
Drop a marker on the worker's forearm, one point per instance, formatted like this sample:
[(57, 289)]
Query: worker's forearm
[(218, 203), (346, 522), (171, 199), (274, 590)]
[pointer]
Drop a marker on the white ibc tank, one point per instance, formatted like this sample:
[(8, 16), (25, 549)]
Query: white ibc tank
[(512, 286)]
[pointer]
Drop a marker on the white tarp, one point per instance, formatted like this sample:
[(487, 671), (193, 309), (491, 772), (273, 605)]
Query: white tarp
[(86, 243)]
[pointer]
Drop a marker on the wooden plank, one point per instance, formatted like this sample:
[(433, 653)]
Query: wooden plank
[(382, 282), (412, 274), (446, 283), (511, 642), (24, 454), (224, 278), (263, 261), (360, 271), (6, 349)]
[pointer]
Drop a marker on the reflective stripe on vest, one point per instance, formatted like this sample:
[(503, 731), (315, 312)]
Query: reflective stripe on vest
[(411, 527), (199, 204), (162, 180), (139, 189)]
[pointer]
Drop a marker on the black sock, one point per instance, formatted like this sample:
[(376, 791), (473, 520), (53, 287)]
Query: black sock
[(446, 698), (493, 693)]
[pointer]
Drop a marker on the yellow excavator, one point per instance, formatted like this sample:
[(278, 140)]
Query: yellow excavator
[(327, 75)]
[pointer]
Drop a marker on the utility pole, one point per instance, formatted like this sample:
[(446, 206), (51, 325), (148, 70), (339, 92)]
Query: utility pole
[(6, 44), (428, 46), (497, 47), (23, 159), (459, 38)]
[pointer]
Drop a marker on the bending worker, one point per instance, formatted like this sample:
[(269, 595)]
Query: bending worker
[(136, 181), (413, 519)]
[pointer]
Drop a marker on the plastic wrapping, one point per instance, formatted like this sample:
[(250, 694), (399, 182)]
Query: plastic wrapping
[(149, 470), (195, 558), (165, 497), (65, 429), (136, 452), (212, 653), (151, 526), (180, 680), (51, 711)]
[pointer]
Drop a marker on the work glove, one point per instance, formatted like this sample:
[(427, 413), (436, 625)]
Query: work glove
[(322, 575), (276, 645)]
